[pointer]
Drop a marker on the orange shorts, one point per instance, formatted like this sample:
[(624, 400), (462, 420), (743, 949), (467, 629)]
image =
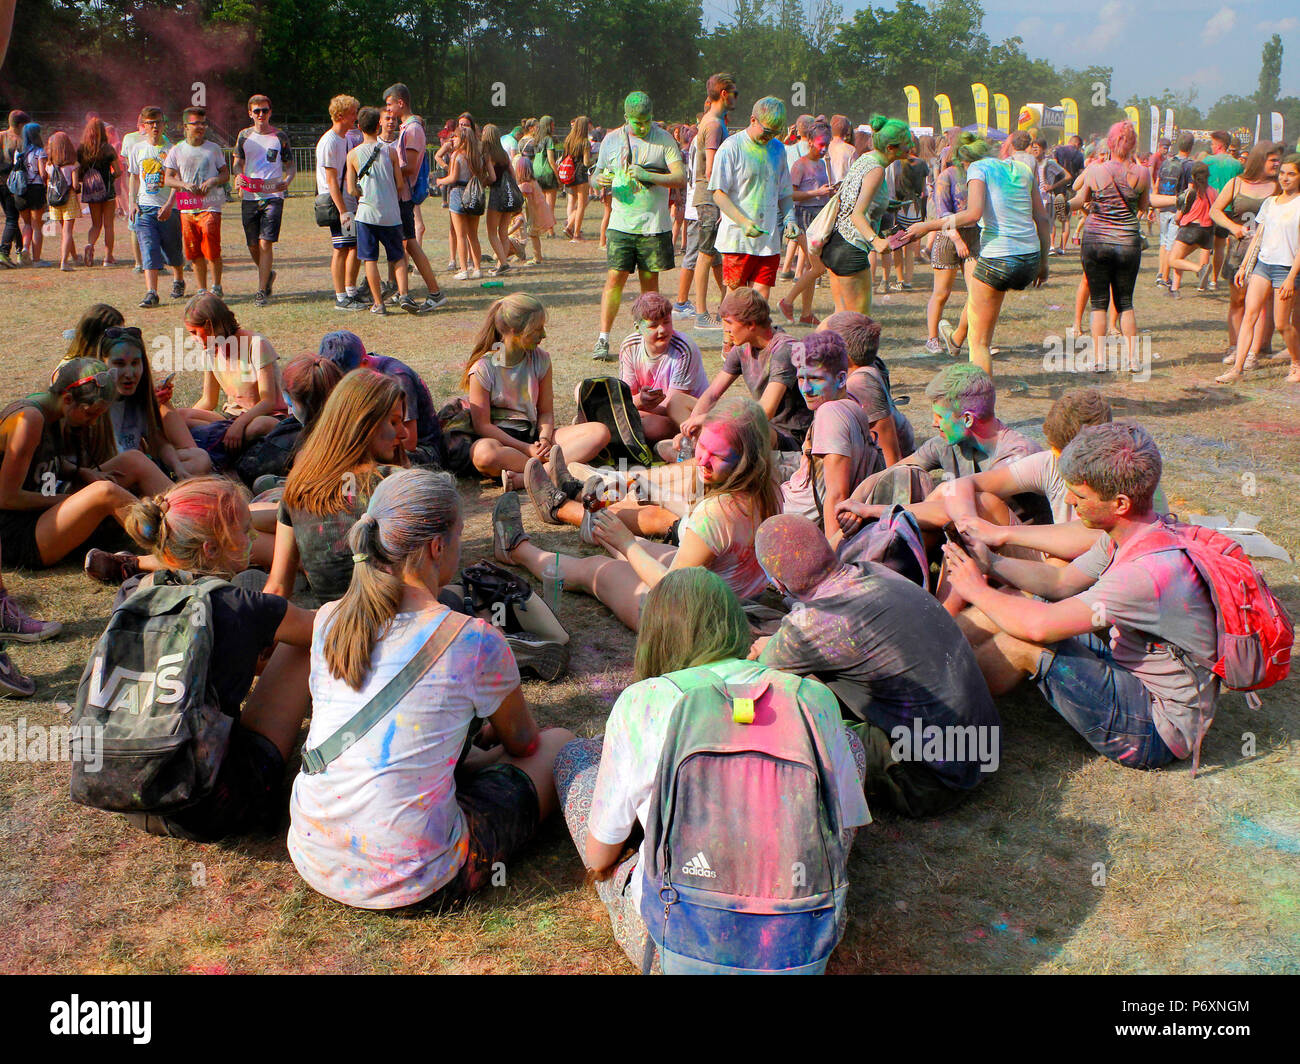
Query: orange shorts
[(742, 271), (201, 232)]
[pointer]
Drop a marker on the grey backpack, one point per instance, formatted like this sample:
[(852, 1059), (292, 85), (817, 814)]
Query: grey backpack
[(148, 690)]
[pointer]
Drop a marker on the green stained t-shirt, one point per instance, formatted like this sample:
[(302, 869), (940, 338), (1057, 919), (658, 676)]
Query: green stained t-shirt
[(1223, 168), (638, 209)]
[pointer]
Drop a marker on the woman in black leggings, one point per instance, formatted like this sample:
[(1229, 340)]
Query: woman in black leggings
[(11, 242), (1111, 248)]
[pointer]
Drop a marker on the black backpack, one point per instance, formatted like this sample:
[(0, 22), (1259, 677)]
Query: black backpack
[(609, 401), (272, 454), (1171, 172)]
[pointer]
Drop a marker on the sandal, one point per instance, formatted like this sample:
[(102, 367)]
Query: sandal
[(787, 309), (1227, 378)]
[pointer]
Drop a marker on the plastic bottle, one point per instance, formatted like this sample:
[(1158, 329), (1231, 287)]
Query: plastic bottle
[(686, 451), (493, 284), (553, 584)]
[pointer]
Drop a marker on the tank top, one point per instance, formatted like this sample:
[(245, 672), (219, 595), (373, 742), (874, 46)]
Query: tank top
[(849, 192), (378, 203), (48, 465), (1114, 219), (1243, 207)]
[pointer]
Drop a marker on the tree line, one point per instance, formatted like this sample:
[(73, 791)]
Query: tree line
[(507, 58)]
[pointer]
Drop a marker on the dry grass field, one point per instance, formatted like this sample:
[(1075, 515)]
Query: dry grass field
[(1061, 862)]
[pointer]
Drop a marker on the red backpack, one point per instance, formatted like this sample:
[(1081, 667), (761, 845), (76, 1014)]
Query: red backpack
[(1255, 633), (565, 170)]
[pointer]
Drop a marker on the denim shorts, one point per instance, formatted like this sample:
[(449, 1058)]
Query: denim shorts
[(370, 237), (692, 252), (160, 242), (1106, 704), (1008, 273), (1276, 274), (1168, 230)]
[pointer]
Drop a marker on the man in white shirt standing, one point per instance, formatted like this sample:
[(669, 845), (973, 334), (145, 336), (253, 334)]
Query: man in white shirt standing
[(331, 168), (751, 186), (263, 163)]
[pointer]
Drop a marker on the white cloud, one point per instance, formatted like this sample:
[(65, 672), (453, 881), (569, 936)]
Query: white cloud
[(1282, 25), (1111, 21), (1218, 24), (1029, 27)]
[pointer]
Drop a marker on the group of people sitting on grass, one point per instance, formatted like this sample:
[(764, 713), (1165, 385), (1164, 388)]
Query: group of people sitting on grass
[(803, 578)]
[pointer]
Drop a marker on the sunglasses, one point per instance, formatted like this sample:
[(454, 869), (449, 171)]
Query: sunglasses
[(261, 110), (115, 333), (102, 379)]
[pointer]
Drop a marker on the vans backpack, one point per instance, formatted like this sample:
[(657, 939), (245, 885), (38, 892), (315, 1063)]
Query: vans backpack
[(745, 868), (57, 189), (148, 687), (1254, 631)]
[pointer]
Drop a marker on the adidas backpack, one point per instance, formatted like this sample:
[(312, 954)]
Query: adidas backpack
[(148, 687), (745, 869), (1171, 172), (17, 179)]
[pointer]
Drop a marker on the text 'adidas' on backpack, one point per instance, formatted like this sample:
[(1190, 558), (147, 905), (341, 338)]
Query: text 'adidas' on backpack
[(1171, 170), (745, 869), (148, 686)]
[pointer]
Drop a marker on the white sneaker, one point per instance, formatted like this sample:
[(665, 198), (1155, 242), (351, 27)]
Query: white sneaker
[(462, 276)]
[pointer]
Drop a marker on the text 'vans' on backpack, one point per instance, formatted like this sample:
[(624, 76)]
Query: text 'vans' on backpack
[(746, 864), (147, 685)]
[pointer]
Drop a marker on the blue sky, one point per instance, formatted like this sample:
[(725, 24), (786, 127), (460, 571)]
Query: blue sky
[(1147, 42)]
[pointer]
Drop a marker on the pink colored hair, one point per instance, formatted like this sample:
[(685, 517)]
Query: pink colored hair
[(1122, 139)]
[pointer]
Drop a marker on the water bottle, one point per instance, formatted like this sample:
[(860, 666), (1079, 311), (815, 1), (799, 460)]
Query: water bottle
[(686, 451), (553, 584), (493, 284)]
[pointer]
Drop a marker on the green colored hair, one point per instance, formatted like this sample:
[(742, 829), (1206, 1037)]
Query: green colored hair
[(638, 105), (890, 133), (964, 388), (770, 113), (971, 148)]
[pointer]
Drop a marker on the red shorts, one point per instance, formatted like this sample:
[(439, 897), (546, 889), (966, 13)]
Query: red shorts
[(740, 271), (201, 232)]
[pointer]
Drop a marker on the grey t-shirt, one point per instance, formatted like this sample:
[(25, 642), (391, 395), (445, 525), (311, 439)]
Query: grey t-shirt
[(711, 135), (859, 636), (867, 386), (772, 364), (1152, 599), (967, 458)]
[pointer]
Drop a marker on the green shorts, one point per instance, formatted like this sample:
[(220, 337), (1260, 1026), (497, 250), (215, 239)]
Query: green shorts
[(628, 252)]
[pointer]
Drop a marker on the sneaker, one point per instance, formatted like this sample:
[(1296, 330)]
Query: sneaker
[(560, 475), (786, 275), (453, 264), (475, 274), (67, 267), (547, 659), (259, 298), (408, 304), (684, 310), (1214, 286), (545, 496), (13, 682), (499, 270), (934, 346), (178, 290), (111, 569), (603, 488), (436, 300), (200, 292), (787, 310), (25, 257), (6, 261), (267, 482), (601, 352), (270, 283), (17, 625), (585, 529), (150, 300), (1161, 283), (218, 291), (388, 291), (463, 275), (137, 268), (350, 303), (1202, 277), (380, 309), (708, 322), (945, 334), (507, 526)]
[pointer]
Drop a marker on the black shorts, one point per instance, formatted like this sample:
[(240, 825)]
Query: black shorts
[(407, 207), (18, 549), (501, 816), (246, 798), (1197, 236), (33, 199), (710, 217), (842, 258), (261, 219), (1220, 233), (1010, 273)]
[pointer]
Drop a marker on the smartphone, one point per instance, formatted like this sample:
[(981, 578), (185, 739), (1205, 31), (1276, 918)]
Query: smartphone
[(951, 534), (167, 380)]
